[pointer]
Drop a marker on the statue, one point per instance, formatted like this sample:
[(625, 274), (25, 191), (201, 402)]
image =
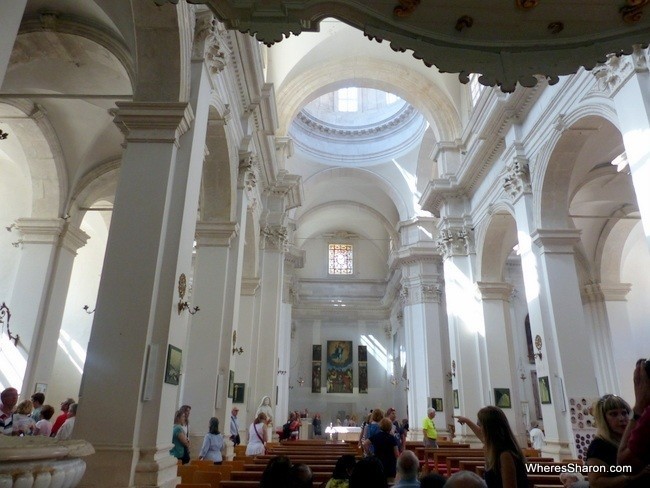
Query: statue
[(265, 407)]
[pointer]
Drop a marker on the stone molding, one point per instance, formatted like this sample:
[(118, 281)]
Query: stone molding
[(249, 286), (40, 231), (495, 290), (454, 242), (274, 237), (556, 241), (153, 121), (215, 234), (609, 292), (248, 172), (294, 256), (612, 75), (74, 239), (209, 43), (418, 293)]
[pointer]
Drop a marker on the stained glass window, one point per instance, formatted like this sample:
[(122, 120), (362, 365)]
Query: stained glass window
[(340, 259)]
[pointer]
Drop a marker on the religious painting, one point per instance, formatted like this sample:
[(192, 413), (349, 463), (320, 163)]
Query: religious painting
[(238, 392), (502, 398), (315, 377), (231, 384), (544, 390), (173, 366), (363, 369), (339, 367), (456, 400), (436, 403)]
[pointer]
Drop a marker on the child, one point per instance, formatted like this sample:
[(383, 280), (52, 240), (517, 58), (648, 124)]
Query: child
[(23, 422)]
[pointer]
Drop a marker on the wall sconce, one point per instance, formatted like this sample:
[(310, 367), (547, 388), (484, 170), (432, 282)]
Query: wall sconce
[(301, 381), (89, 312), (5, 315), (449, 376), (9, 227), (394, 381), (182, 287), (538, 345), (453, 368), (3, 135), (235, 349)]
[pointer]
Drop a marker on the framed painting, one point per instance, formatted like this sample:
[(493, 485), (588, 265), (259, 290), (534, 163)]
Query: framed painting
[(238, 392), (315, 376), (456, 400), (316, 352), (544, 390), (437, 404), (231, 384), (339, 367), (502, 398), (173, 366)]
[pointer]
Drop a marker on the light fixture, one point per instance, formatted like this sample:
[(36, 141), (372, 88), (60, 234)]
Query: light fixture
[(301, 380), (5, 317), (88, 311), (3, 135), (538, 345), (182, 287)]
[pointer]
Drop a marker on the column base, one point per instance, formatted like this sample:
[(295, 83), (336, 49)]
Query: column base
[(557, 450), (112, 467)]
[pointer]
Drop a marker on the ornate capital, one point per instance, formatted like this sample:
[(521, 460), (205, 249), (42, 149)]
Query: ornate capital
[(215, 234), (495, 290), (274, 237), (613, 74), (248, 172), (517, 181), (453, 242), (153, 122)]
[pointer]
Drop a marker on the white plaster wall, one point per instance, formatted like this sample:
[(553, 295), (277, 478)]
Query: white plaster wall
[(380, 392), (76, 324), (634, 270)]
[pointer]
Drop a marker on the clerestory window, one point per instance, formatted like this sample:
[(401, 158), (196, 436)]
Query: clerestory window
[(340, 259)]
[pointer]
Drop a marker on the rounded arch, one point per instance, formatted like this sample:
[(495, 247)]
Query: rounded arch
[(396, 200), (98, 184), (609, 252), (495, 241), (42, 154), (556, 171), (369, 73)]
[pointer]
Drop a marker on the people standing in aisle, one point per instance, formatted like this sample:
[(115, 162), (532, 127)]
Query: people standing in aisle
[(9, 398), (317, 424), (44, 426), (63, 416), (429, 429), (38, 399), (536, 437), (181, 443), (23, 422), (213, 443), (257, 437), (65, 432), (234, 427)]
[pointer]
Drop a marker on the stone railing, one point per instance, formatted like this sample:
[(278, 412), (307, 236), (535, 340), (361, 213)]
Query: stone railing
[(42, 462)]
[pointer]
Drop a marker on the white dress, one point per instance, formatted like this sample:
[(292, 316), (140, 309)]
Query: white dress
[(255, 445)]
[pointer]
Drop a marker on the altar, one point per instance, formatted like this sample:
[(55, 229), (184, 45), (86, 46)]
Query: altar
[(343, 433)]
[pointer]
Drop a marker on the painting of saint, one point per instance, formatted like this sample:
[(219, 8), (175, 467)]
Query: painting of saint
[(339, 367)]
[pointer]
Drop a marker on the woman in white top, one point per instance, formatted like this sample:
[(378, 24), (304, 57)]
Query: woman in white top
[(257, 436), (213, 443), (44, 426)]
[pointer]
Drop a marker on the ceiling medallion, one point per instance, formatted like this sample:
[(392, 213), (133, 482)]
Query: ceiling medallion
[(633, 11), (405, 7), (526, 4)]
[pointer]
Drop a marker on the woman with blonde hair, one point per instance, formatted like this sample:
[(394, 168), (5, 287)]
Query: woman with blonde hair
[(257, 436), (612, 415), (504, 461)]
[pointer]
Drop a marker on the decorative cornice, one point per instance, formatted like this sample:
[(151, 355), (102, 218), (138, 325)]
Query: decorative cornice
[(249, 286), (209, 42), (610, 292), (248, 172), (454, 242), (495, 290), (153, 121), (289, 187), (556, 241), (295, 257), (215, 234), (407, 255), (613, 74), (74, 239)]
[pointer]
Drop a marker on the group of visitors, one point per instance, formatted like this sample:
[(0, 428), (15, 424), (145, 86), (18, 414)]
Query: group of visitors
[(32, 417)]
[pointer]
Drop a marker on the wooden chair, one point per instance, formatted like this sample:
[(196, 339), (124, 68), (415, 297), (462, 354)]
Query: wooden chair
[(213, 478)]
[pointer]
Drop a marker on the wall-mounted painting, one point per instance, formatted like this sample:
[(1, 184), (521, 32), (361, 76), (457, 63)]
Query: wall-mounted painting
[(315, 377), (316, 352), (456, 400), (363, 369), (238, 392), (544, 390), (339, 367), (173, 367), (502, 397), (437, 404)]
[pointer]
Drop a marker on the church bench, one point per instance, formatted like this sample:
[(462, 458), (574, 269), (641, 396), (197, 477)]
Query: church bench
[(240, 484), (318, 476)]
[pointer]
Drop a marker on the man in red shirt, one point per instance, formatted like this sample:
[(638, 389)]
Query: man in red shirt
[(65, 406)]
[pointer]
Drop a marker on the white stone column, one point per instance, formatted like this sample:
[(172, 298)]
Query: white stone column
[(210, 334), (557, 322), (500, 351), (464, 317), (266, 330), (249, 314), (11, 13), (137, 315), (607, 305), (628, 80), (46, 335)]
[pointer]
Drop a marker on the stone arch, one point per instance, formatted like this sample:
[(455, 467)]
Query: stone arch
[(494, 244), (609, 253), (369, 73), (97, 184), (401, 207), (42, 154)]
